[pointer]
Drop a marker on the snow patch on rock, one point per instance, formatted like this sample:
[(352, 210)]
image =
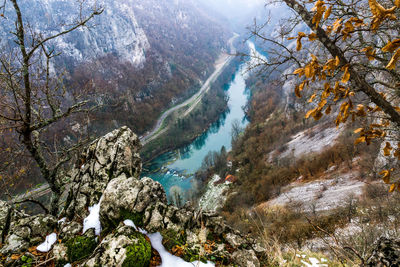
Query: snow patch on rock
[(130, 223), (170, 260), (93, 220), (48, 243)]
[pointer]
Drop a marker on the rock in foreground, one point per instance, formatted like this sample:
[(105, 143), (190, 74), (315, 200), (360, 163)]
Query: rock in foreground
[(129, 207)]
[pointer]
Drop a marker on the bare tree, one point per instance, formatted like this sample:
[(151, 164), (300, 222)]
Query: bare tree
[(32, 95)]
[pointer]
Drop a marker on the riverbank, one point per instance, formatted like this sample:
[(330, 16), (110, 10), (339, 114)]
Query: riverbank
[(185, 128), (219, 66), (175, 169)]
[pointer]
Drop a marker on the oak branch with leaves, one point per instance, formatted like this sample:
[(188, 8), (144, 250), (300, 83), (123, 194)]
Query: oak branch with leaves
[(351, 53), (32, 96)]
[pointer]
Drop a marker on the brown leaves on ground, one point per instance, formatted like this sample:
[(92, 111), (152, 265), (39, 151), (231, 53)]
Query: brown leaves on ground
[(178, 251), (155, 258), (209, 247)]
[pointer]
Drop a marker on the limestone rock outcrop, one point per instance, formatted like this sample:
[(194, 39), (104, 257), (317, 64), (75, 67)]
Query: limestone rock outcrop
[(122, 248), (27, 232), (128, 207), (110, 156)]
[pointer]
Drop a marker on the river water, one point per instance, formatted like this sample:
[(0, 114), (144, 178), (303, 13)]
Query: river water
[(176, 168)]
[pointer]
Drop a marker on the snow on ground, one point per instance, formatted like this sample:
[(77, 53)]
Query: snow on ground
[(320, 195), (214, 196), (312, 140), (313, 263), (130, 223), (168, 259), (48, 243), (93, 220)]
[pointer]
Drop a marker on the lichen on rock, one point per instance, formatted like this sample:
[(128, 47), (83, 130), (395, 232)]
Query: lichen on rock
[(28, 231), (125, 247), (129, 198), (113, 155)]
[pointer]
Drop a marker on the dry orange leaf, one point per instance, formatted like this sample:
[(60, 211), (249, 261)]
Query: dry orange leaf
[(328, 13), (319, 9), (328, 110), (337, 25), (308, 114), (387, 149), (380, 13), (312, 98), (346, 75), (391, 46), (392, 187), (392, 63), (15, 256), (299, 71), (369, 52), (358, 130), (386, 176), (312, 36), (300, 35), (361, 139)]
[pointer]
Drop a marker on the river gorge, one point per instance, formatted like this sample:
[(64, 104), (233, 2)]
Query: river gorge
[(175, 169)]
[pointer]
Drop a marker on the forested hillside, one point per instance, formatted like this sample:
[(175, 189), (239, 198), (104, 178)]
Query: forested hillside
[(131, 61)]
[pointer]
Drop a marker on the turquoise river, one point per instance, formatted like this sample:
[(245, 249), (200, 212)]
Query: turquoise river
[(176, 168)]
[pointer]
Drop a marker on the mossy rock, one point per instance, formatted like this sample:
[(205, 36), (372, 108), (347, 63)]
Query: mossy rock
[(171, 238), (80, 247), (138, 254), (124, 214), (135, 217), (193, 254)]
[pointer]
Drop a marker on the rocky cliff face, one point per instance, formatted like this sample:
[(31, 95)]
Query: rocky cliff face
[(116, 31), (127, 29), (109, 214)]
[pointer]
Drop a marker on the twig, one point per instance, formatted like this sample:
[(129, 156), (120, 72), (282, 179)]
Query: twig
[(46, 261)]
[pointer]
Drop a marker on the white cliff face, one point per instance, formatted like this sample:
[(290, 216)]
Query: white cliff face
[(115, 32)]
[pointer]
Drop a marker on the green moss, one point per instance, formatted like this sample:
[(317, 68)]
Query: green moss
[(135, 217), (138, 254), (172, 238), (26, 261), (194, 255), (80, 247)]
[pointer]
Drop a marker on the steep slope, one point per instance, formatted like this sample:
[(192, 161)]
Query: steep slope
[(116, 31), (137, 57)]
